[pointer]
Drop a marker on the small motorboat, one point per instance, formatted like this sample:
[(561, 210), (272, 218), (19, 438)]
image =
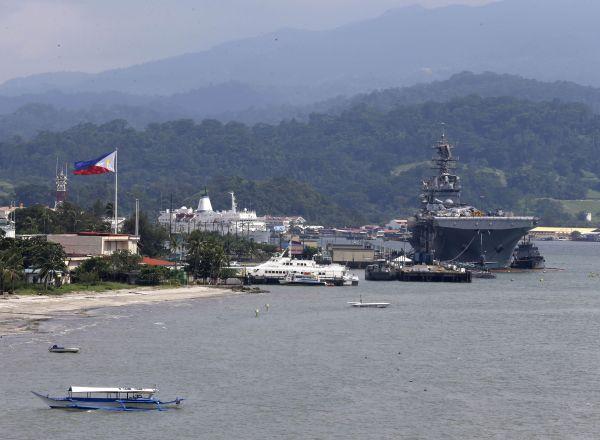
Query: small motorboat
[(58, 349), (110, 399), (376, 305), (350, 280)]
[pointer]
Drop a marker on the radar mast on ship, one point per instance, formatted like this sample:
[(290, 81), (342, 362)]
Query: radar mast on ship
[(443, 189)]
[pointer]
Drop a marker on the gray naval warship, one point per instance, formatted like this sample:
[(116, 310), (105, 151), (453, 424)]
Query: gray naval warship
[(448, 230)]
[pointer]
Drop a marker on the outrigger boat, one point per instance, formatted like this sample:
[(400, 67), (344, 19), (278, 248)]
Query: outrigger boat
[(110, 399), (57, 349)]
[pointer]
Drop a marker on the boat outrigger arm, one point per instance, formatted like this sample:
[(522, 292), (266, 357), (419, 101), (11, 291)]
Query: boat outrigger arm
[(109, 404)]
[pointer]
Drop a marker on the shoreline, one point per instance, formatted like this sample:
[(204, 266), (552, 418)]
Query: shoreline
[(20, 314)]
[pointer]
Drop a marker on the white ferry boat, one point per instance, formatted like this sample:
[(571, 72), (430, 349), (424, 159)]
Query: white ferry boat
[(281, 267), (112, 399)]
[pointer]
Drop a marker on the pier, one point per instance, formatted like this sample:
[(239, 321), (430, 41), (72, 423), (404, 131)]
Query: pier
[(434, 274)]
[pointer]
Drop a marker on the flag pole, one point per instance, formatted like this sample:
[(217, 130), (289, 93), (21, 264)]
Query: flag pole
[(116, 190)]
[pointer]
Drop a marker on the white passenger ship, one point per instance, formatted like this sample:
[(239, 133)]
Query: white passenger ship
[(233, 221)]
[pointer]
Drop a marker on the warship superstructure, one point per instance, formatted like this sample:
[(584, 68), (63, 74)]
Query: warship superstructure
[(446, 229)]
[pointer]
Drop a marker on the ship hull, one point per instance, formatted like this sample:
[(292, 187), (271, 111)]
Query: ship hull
[(490, 240)]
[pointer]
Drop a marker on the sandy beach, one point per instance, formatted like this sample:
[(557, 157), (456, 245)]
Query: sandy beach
[(21, 313)]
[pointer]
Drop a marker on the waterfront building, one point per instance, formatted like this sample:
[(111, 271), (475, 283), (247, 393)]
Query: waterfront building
[(352, 255), (398, 224), (7, 224), (283, 223), (83, 245), (560, 233), (233, 221)]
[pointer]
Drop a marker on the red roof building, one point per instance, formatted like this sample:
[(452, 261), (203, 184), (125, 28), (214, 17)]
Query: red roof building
[(156, 262)]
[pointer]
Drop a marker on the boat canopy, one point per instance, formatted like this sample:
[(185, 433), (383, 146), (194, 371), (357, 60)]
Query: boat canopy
[(74, 389)]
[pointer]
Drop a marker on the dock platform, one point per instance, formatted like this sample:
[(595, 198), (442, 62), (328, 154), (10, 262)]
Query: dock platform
[(434, 274)]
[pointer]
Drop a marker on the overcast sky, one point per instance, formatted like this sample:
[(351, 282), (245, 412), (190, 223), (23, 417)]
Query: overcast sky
[(92, 35)]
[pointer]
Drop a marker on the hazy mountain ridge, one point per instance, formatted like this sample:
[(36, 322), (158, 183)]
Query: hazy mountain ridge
[(239, 102), (544, 39), (486, 84)]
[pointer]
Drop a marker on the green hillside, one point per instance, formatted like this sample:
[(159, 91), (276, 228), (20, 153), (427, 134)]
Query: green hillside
[(362, 165)]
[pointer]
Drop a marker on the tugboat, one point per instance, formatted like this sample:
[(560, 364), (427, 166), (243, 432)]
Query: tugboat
[(454, 232), (527, 256)]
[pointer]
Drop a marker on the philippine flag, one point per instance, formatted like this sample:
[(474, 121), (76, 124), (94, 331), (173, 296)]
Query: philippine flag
[(104, 164)]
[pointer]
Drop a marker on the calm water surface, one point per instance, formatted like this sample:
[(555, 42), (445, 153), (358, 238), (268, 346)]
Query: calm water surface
[(509, 358)]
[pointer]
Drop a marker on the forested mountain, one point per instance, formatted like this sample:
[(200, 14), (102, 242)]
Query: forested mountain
[(30, 119), (236, 102), (362, 165), (487, 84), (25, 115), (543, 39)]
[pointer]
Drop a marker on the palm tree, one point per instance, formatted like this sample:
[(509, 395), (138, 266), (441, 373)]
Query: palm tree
[(49, 259), (11, 265), (194, 253), (28, 226), (206, 256)]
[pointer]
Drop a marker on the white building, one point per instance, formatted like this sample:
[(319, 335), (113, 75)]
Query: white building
[(204, 218), (7, 225), (283, 223), (398, 224)]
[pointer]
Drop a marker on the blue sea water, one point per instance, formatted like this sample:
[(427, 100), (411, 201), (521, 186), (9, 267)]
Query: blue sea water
[(510, 358)]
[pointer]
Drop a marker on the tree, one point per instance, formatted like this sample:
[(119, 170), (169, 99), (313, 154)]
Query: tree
[(49, 258), (152, 275), (11, 263), (92, 269), (152, 235), (122, 262), (206, 257), (68, 218), (309, 252), (362, 164)]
